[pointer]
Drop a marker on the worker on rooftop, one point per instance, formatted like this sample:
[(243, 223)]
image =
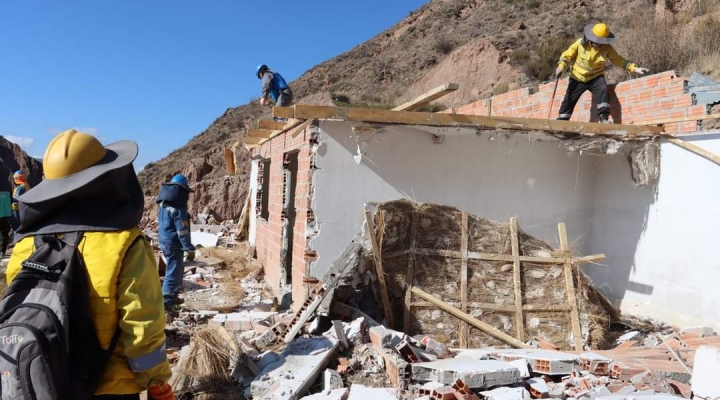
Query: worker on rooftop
[(174, 238), (274, 86), (21, 186), (94, 190), (588, 56)]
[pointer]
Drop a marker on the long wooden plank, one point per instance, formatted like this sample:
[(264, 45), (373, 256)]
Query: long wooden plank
[(495, 307), (476, 121), (692, 147), (229, 161), (489, 329), (379, 268), (259, 133), (410, 275), (570, 287), (426, 98), (464, 327), (270, 125), (284, 112), (298, 129), (679, 119), (505, 258), (517, 282), (252, 140)]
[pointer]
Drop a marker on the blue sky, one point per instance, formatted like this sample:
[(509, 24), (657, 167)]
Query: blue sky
[(159, 72)]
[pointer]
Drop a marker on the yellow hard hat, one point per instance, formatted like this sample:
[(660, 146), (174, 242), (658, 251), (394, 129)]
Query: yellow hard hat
[(599, 33), (71, 152)]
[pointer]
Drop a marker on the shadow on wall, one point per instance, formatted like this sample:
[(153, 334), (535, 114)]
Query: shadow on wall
[(497, 176)]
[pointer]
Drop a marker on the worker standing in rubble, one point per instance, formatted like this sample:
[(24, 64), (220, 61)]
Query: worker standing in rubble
[(274, 86), (93, 189), (5, 216), (21, 186), (174, 238), (587, 56)]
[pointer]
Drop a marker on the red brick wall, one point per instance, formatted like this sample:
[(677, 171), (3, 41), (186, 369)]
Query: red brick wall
[(268, 240), (645, 99)]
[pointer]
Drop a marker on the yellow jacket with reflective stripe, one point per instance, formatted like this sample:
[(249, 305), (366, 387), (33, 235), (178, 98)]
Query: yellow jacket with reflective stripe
[(588, 62), (124, 291)]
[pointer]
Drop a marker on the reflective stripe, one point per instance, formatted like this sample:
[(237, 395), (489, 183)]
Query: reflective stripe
[(183, 232), (603, 105), (565, 115), (149, 360), (626, 64)]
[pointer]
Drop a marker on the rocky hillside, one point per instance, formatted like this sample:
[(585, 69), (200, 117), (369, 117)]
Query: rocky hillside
[(484, 45), (13, 158)]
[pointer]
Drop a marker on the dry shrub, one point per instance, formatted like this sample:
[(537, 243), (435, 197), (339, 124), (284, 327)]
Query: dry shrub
[(544, 59)]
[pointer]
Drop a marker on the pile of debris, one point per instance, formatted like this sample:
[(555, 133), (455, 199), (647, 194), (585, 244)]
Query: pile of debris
[(489, 280)]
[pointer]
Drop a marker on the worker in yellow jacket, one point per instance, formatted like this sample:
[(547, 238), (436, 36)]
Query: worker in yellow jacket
[(588, 56), (94, 189)]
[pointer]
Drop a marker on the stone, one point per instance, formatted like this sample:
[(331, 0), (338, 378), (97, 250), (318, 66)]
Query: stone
[(519, 25), (332, 380), (705, 373), (477, 374)]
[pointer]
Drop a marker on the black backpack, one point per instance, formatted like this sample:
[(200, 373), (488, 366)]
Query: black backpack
[(48, 345)]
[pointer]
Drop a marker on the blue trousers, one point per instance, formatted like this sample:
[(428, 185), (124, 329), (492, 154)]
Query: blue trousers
[(15, 220), (173, 275)]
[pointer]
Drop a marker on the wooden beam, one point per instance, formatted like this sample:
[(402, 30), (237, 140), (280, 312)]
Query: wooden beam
[(692, 147), (410, 275), (475, 121), (503, 257), (490, 330), (298, 129), (517, 282), (284, 112), (379, 268), (426, 98), (252, 140), (259, 133), (494, 307), (229, 161), (464, 327), (270, 125), (570, 288), (679, 119)]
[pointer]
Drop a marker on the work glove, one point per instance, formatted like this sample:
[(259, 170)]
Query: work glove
[(560, 70), (641, 71), (14, 206), (190, 255), (164, 392)]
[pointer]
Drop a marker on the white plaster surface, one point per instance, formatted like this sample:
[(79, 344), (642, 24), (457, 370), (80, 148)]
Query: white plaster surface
[(706, 367), (493, 175), (252, 226), (359, 392)]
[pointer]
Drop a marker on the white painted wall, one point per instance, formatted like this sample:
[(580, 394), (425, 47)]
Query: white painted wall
[(663, 249), (492, 175), (252, 226)]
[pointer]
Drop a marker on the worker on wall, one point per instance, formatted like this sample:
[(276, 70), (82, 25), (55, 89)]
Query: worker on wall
[(274, 86), (588, 56), (93, 189), (21, 186), (174, 238)]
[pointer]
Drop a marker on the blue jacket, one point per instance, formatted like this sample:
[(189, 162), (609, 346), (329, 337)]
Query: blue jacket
[(173, 218), (273, 84)]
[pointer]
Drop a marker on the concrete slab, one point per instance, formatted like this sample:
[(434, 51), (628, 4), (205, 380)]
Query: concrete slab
[(297, 368), (647, 396), (705, 373), (541, 361), (506, 393), (359, 392), (523, 366), (336, 394), (475, 354), (475, 373)]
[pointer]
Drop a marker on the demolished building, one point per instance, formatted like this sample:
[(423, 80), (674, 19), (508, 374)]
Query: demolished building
[(632, 192)]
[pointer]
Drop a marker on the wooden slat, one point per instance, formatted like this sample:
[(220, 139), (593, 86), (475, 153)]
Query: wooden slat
[(410, 275), (679, 119), (692, 147), (517, 283), (284, 112), (490, 330), (503, 257), (271, 125), (229, 161), (426, 98), (494, 307), (464, 328), (379, 268), (298, 129), (259, 133), (570, 287), (252, 140), (477, 121)]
